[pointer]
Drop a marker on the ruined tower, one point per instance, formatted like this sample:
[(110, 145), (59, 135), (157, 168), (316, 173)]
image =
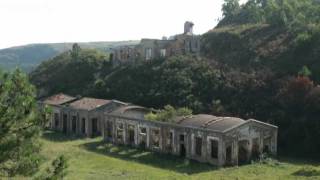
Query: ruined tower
[(188, 28)]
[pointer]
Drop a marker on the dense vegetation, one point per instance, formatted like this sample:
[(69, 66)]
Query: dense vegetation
[(266, 68), (19, 125)]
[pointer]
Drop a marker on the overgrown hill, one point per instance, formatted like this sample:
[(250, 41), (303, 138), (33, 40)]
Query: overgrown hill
[(28, 57), (256, 46), (266, 68)]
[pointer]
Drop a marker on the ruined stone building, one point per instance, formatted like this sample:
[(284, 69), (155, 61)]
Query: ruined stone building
[(216, 140), (149, 49), (205, 138), (81, 116)]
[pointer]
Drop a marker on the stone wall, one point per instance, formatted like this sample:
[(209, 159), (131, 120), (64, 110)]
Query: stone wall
[(202, 145)]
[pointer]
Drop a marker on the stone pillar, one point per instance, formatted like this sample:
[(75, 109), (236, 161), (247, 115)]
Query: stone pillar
[(114, 130), (204, 150), (125, 129), (274, 143), (192, 152), (261, 138), (162, 138), (88, 126), (221, 153), (148, 137), (136, 135), (235, 151), (103, 129)]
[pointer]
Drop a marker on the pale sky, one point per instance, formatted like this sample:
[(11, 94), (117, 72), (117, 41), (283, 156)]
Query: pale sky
[(47, 21)]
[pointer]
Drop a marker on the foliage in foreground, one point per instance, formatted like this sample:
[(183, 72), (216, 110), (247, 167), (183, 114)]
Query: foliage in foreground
[(19, 125), (56, 171)]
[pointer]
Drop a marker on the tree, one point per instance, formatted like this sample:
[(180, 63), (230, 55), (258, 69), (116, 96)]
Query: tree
[(75, 51), (56, 171), (19, 125), (305, 71), (168, 114), (230, 7)]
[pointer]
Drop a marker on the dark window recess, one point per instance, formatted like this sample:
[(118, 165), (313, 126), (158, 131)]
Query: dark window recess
[(95, 126), (143, 130), (65, 118), (228, 155), (214, 149), (131, 134), (181, 137), (74, 123), (56, 119), (83, 128), (109, 129), (198, 146)]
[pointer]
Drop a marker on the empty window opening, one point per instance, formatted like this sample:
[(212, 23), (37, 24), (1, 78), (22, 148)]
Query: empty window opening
[(170, 141), (214, 149), (267, 145), (163, 52), (181, 137), (143, 130), (143, 137), (228, 155), (120, 131), (243, 151), (148, 53), (155, 135), (65, 118), (255, 149), (198, 146), (83, 127), (74, 124), (109, 129), (56, 119), (95, 126), (182, 150), (131, 134)]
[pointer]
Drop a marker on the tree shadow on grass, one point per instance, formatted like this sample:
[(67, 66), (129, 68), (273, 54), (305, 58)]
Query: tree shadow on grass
[(299, 161), (59, 136), (307, 171), (158, 160)]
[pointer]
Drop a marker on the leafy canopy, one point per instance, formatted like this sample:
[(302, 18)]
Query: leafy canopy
[(168, 114)]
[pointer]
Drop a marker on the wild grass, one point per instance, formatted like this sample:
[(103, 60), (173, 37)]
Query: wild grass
[(92, 159)]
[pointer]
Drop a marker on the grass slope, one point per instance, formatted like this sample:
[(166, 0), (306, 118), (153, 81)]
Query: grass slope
[(91, 159)]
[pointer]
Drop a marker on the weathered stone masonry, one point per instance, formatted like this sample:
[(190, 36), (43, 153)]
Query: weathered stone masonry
[(226, 144), (216, 140)]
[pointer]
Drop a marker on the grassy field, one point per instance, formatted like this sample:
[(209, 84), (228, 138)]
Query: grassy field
[(91, 159)]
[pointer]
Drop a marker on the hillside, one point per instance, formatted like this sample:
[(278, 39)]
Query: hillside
[(29, 56), (267, 69)]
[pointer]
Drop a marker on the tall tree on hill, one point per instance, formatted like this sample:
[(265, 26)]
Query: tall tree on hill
[(230, 7), (19, 125), (75, 51)]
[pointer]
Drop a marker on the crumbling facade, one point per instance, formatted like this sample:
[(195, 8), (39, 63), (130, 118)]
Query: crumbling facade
[(149, 49), (79, 116), (205, 138)]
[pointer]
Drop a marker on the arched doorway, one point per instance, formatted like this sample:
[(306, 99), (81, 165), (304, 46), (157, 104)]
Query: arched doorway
[(243, 153)]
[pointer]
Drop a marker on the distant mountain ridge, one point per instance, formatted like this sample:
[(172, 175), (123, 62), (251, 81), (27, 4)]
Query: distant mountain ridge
[(28, 57)]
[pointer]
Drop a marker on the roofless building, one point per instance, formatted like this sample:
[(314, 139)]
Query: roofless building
[(216, 140)]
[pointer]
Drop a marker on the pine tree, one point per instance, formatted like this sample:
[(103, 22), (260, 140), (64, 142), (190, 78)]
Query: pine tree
[(19, 125)]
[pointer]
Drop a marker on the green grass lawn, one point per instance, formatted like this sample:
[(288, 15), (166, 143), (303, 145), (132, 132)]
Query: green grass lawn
[(91, 159)]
